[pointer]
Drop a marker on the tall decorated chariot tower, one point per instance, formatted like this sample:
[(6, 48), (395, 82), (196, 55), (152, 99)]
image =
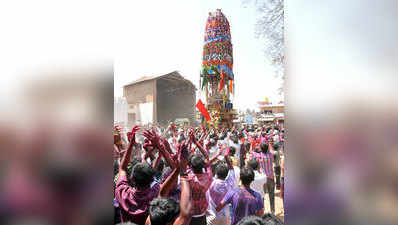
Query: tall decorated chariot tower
[(217, 77)]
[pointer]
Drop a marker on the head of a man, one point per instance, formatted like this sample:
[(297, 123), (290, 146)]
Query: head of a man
[(197, 163), (232, 151), (163, 211), (264, 147), (222, 171), (253, 164), (251, 220), (142, 175), (126, 223), (275, 146), (270, 219), (246, 176), (247, 146), (266, 219)]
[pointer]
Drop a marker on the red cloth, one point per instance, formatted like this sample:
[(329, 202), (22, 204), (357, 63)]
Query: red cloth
[(222, 80), (202, 109)]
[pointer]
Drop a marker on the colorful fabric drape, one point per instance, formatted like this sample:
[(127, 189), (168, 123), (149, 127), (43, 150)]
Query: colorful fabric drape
[(222, 80), (217, 49)]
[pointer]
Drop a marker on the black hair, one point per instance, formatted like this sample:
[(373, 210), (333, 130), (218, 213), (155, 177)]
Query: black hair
[(222, 171), (270, 219), (127, 223), (275, 146), (247, 146), (131, 165), (253, 164), (234, 139), (251, 220), (232, 151), (246, 175), (197, 163), (115, 168), (264, 147), (163, 211), (214, 166), (159, 170), (142, 175)]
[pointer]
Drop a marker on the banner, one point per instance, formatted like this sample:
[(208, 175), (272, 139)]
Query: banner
[(202, 109)]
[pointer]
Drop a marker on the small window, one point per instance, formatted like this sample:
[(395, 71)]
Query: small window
[(131, 117)]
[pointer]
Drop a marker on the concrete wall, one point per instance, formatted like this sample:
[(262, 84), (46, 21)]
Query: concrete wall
[(138, 97), (161, 100), (175, 99)]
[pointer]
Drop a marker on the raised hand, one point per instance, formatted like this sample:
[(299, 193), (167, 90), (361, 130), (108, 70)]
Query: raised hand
[(127, 155), (191, 136), (183, 157), (147, 145), (166, 145), (131, 134), (152, 137)]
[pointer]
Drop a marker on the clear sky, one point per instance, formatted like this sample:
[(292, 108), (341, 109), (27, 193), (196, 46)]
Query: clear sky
[(156, 38)]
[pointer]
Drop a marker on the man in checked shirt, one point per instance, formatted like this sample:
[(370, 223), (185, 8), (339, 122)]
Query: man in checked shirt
[(266, 160)]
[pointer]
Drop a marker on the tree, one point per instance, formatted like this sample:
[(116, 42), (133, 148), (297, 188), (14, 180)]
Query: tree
[(270, 27)]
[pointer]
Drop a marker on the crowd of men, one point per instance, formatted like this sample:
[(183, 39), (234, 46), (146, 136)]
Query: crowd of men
[(197, 175)]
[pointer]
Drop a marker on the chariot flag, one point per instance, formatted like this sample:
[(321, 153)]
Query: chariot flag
[(202, 109)]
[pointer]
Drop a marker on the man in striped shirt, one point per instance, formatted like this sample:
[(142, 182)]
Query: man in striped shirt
[(265, 158), (267, 162)]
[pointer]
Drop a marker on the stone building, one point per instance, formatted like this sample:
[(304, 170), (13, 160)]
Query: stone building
[(160, 99)]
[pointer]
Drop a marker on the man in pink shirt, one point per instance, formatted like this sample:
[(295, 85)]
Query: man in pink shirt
[(134, 200), (200, 180)]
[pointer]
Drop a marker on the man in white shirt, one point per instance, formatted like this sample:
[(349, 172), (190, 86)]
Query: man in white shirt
[(224, 182), (213, 148), (260, 179), (234, 142), (276, 137)]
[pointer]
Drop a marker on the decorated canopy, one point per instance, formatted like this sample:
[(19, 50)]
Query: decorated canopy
[(217, 51)]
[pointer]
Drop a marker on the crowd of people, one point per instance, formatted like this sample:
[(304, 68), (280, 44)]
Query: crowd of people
[(197, 175)]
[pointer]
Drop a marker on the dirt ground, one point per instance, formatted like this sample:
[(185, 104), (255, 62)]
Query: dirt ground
[(279, 210)]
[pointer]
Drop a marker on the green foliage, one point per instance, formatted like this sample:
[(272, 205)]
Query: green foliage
[(206, 75)]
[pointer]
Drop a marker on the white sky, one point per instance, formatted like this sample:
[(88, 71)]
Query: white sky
[(142, 37), (338, 51), (166, 36), (334, 49)]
